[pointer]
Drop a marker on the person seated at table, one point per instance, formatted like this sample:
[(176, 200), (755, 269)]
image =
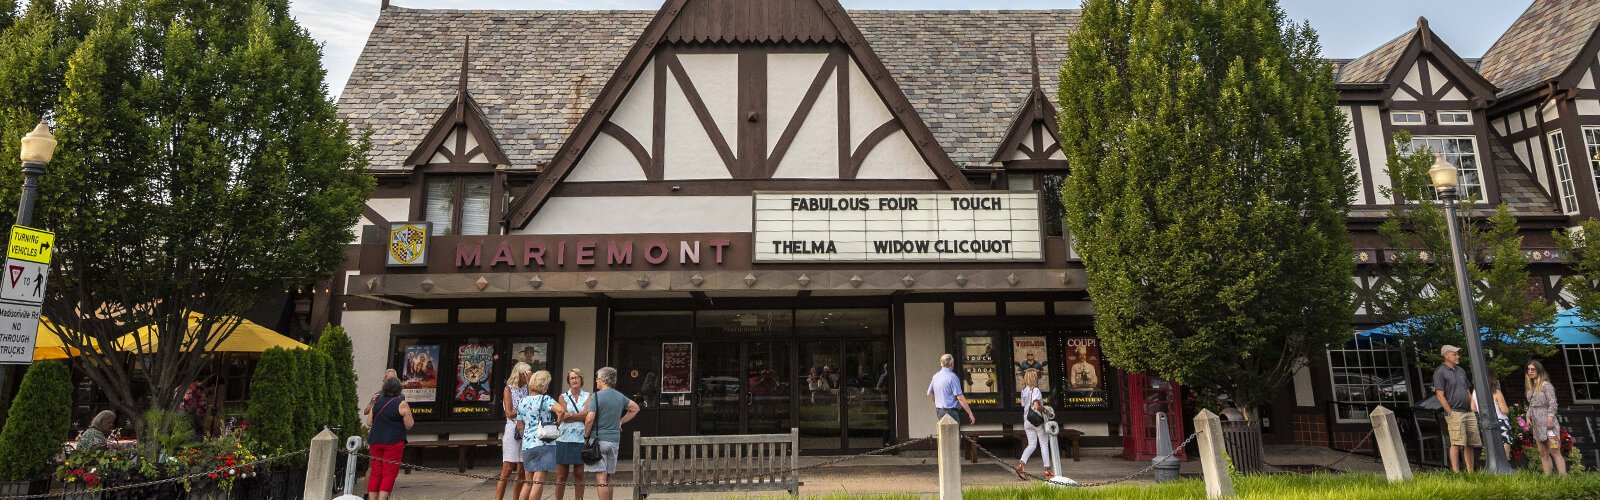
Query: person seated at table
[(99, 432)]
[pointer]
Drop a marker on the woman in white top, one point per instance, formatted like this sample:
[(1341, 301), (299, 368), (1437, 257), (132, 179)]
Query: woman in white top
[(510, 439), (1033, 399)]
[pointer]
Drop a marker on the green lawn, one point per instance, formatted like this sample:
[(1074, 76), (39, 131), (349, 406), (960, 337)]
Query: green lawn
[(1315, 486)]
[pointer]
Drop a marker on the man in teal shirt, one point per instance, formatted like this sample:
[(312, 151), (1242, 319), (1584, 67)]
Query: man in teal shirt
[(611, 410)]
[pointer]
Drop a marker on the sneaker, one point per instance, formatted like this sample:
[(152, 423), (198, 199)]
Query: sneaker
[(1020, 474)]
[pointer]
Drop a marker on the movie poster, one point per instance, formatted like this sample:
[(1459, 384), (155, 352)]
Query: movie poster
[(420, 377), (980, 382), (1029, 355), (535, 354), (677, 370), (1085, 386), (474, 368)]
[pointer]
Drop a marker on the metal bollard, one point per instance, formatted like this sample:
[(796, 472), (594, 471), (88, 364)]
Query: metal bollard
[(1166, 465), (1052, 428), (351, 446)]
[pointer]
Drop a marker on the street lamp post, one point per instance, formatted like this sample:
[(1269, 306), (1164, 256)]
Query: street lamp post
[(1444, 176), (37, 149)]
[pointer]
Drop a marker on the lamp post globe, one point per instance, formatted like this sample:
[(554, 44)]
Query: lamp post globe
[(38, 147), (1446, 180)]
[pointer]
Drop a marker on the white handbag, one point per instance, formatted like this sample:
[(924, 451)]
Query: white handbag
[(547, 431)]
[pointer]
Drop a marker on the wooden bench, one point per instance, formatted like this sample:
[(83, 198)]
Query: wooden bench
[(463, 451), (1018, 436), (706, 464)]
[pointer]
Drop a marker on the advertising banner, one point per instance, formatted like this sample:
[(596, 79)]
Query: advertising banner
[(1085, 386)]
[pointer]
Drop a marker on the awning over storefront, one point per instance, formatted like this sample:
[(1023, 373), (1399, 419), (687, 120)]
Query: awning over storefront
[(248, 337), (48, 345), (1568, 327)]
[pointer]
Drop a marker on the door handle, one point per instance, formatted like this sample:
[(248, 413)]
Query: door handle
[(749, 399)]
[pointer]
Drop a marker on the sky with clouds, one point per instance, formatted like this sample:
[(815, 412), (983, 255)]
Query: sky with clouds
[(1348, 28)]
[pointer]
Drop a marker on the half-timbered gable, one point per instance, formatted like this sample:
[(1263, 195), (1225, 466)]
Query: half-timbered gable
[(1416, 83), (1548, 109)]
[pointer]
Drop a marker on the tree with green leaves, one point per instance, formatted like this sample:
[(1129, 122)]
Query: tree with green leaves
[(342, 397), (1208, 191), (40, 418), (1582, 249), (1419, 287), (201, 167)]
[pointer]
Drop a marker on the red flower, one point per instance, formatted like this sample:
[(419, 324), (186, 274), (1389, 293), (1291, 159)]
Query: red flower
[(212, 475), (77, 471)]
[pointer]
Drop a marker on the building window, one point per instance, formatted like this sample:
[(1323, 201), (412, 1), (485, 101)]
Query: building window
[(1591, 142), (1049, 187), (1459, 151), (1365, 372), (1583, 369), (1455, 118), (1405, 117), (458, 205), (1558, 155)]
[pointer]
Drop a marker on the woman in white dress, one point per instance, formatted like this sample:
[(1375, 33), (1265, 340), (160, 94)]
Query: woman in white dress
[(1033, 399), (510, 439)]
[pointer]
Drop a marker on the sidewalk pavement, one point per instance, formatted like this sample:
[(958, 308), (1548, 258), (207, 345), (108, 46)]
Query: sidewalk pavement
[(892, 474)]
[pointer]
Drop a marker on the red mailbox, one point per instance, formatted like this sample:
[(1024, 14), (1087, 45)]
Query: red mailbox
[(1147, 395)]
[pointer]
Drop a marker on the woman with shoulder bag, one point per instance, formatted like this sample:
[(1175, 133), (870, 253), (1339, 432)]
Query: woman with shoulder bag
[(538, 411), (511, 438), (1542, 417), (576, 418), (391, 418), (1033, 420)]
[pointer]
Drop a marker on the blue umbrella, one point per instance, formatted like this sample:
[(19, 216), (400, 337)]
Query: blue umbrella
[(1569, 327)]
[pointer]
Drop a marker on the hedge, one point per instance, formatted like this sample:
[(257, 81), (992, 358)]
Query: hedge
[(39, 420)]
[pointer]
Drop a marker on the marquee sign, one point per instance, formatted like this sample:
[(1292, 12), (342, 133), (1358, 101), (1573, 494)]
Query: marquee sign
[(971, 226)]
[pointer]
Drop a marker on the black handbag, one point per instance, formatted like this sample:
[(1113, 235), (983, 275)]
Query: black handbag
[(590, 453), (1035, 418)]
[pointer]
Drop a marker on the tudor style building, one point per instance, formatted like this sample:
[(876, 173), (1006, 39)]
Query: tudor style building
[(779, 213)]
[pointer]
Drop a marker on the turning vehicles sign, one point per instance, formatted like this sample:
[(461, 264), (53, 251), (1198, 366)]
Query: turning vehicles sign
[(22, 291)]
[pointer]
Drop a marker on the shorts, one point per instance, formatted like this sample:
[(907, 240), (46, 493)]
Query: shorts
[(539, 459), (569, 453), (1463, 426), (608, 458)]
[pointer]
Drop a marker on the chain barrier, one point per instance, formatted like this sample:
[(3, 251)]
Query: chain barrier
[(174, 479), (1153, 463), (1347, 455), (734, 479)]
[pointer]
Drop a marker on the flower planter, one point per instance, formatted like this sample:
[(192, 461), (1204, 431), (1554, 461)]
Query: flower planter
[(20, 488), (288, 484), (77, 491)]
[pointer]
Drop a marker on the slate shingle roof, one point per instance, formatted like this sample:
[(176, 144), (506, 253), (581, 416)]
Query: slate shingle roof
[(534, 73), (1540, 44), (1374, 67)]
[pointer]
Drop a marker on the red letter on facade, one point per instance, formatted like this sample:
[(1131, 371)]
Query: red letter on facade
[(465, 257), (688, 255), (656, 253), (502, 256), (585, 253), (616, 255), (533, 251), (719, 245)]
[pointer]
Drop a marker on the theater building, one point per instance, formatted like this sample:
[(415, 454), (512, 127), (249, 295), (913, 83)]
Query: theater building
[(778, 213)]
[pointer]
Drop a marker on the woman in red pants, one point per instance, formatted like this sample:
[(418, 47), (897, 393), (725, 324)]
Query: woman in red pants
[(391, 418)]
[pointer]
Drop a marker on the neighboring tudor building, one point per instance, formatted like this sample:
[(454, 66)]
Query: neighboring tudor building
[(778, 213)]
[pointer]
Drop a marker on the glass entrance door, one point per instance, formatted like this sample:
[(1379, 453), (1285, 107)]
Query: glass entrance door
[(743, 388), (820, 394), (846, 390)]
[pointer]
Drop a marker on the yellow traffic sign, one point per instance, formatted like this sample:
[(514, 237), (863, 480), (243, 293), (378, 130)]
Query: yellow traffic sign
[(32, 245)]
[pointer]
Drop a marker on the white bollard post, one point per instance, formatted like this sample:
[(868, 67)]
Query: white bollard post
[(949, 459), (319, 466), (1218, 483), (1387, 436), (1053, 429)]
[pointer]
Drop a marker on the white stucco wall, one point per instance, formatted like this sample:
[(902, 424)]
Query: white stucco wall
[(643, 215), (1377, 153), (577, 350), (369, 337), (924, 344), (689, 153)]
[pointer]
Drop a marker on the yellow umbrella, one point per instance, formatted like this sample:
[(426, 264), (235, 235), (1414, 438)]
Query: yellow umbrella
[(48, 345), (248, 337)]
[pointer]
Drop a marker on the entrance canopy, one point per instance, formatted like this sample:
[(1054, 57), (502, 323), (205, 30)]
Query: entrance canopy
[(248, 337)]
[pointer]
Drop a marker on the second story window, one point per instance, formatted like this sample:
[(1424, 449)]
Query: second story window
[(1455, 118), (1459, 151), (1558, 156), (1405, 117), (458, 205)]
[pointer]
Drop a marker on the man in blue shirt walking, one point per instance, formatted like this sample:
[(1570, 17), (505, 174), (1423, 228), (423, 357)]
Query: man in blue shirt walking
[(945, 390)]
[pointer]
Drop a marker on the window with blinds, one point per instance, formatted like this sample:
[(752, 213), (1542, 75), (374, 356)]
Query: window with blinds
[(458, 205)]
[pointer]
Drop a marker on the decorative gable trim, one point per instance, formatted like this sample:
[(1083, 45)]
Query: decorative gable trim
[(712, 16), (1425, 43), (461, 137), (1033, 130)]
